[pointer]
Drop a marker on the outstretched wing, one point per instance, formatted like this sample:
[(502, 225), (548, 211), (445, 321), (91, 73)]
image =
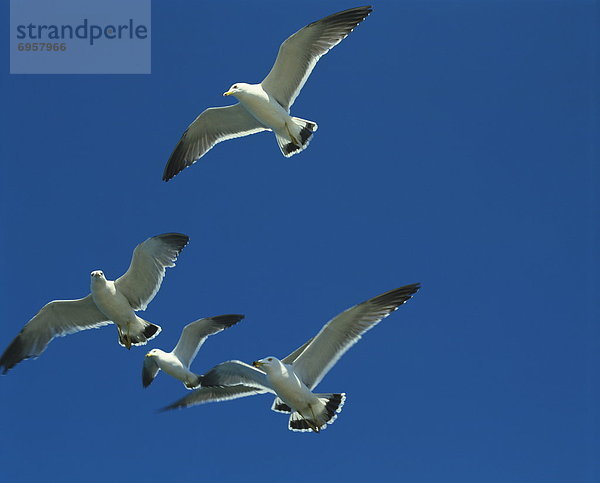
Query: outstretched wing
[(213, 394), (55, 319), (345, 330), (214, 125), (299, 54), (147, 269), (194, 335)]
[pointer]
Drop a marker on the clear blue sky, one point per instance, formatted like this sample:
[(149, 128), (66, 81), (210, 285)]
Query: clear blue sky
[(457, 147)]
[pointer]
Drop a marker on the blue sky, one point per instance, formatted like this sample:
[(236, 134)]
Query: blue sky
[(457, 147)]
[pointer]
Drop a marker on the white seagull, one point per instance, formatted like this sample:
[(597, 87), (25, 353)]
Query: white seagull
[(110, 302), (293, 381), (266, 106), (177, 362)]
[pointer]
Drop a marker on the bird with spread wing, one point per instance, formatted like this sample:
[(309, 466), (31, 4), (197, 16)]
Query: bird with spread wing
[(266, 106), (109, 302)]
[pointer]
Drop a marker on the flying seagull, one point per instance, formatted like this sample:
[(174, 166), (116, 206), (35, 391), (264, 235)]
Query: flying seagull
[(293, 381), (177, 362), (266, 106), (110, 302)]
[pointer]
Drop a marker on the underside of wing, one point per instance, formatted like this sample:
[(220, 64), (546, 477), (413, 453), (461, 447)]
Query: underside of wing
[(299, 54), (232, 373), (147, 269), (214, 394), (55, 319), (344, 330), (211, 127), (194, 334)]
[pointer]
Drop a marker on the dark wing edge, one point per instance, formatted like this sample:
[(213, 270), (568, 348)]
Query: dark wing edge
[(328, 31), (149, 371), (55, 319), (205, 132), (343, 331), (213, 394)]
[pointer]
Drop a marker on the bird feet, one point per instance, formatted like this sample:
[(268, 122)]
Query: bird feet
[(294, 140), (124, 336)]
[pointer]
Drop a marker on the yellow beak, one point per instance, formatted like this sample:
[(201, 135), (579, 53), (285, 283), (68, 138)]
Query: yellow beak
[(228, 93), (257, 363)]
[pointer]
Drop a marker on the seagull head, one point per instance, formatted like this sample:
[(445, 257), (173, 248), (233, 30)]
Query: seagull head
[(267, 364), (97, 274), (153, 353), (236, 89)]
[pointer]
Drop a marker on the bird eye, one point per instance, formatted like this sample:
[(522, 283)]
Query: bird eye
[(270, 359)]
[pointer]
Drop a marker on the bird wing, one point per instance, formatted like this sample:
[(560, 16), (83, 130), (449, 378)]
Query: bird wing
[(294, 355), (55, 319), (147, 269), (299, 53), (149, 371), (233, 373), (214, 125), (213, 394), (344, 330), (194, 335)]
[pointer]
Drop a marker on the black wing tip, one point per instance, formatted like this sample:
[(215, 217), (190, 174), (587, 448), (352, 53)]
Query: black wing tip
[(146, 378), (13, 355), (179, 404), (177, 161), (364, 9), (354, 15), (178, 240), (228, 320), (397, 296), (168, 408)]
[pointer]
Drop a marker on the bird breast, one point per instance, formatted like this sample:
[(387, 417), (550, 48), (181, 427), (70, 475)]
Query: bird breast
[(173, 366), (264, 108), (110, 301), (289, 387)]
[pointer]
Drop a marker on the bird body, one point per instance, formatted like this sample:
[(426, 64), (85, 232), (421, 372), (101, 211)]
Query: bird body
[(266, 106), (292, 133), (286, 383), (258, 102), (177, 362), (172, 365), (110, 301), (294, 393)]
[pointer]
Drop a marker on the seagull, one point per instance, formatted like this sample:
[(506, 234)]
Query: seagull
[(266, 106), (109, 302), (177, 362), (293, 381)]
